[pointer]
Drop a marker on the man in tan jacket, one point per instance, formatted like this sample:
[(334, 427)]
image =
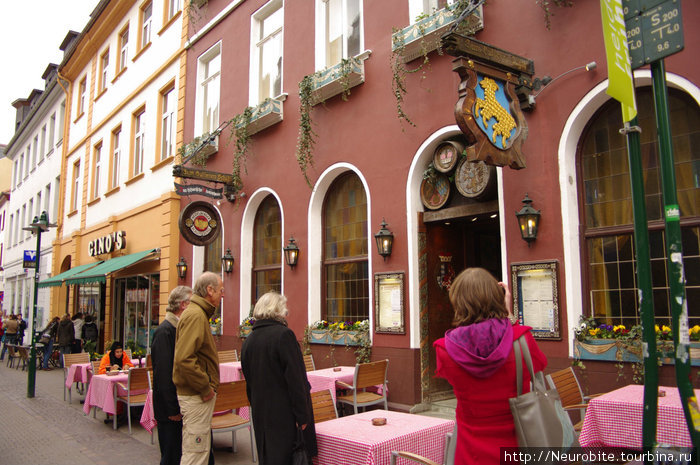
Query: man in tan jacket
[(196, 369)]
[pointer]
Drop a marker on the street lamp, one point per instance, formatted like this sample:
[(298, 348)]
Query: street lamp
[(39, 225)]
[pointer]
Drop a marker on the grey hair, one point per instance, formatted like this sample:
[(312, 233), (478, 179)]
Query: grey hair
[(177, 295), (207, 278), (271, 306)]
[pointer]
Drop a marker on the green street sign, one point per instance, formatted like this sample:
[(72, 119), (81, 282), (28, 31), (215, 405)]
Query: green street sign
[(662, 29), (654, 29)]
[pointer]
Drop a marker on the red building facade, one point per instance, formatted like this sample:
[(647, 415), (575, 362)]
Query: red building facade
[(369, 165)]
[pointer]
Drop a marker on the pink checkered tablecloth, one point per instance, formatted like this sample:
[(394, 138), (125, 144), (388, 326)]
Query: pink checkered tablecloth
[(325, 379), (230, 371), (101, 392), (148, 421), (77, 373), (353, 440), (615, 419)]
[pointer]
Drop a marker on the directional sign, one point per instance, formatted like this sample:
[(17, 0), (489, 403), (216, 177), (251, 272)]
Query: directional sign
[(654, 29), (29, 260)]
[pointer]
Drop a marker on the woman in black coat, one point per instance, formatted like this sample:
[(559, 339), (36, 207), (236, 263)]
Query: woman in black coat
[(278, 390)]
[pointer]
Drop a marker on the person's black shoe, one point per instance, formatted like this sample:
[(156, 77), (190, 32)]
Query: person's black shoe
[(108, 421)]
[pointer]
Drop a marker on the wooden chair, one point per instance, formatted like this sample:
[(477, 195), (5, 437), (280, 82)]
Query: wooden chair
[(149, 362), (229, 397), (128, 352), (12, 355), (226, 356), (137, 387), (23, 357), (68, 360), (569, 389), (95, 370), (366, 375), (323, 406), (448, 458), (309, 362)]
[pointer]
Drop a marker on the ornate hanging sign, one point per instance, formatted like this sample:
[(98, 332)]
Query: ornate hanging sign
[(200, 223), (495, 83)]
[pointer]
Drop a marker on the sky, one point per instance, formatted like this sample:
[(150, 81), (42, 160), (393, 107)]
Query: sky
[(30, 33)]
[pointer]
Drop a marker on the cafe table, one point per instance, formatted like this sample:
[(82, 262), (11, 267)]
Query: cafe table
[(77, 373), (230, 371), (354, 440), (101, 392), (326, 378), (614, 419)]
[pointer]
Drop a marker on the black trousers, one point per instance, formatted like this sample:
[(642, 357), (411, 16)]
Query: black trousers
[(170, 440)]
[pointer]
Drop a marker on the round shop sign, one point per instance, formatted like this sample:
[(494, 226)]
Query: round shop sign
[(199, 223)]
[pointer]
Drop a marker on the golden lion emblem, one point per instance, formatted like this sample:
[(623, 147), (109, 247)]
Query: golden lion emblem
[(490, 108)]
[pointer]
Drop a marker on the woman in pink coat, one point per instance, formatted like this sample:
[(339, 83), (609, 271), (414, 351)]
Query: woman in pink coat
[(476, 358)]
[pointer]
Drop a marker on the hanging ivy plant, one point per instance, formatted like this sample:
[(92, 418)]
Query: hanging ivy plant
[(239, 131), (202, 156), (306, 139)]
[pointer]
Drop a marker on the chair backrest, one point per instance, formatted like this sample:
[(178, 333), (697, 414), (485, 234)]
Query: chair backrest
[(231, 396), (128, 352), (309, 362), (451, 446), (370, 374), (70, 359), (323, 406), (566, 384), (226, 356), (95, 367), (149, 362), (138, 379)]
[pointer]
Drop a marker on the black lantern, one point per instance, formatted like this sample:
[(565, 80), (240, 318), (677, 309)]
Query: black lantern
[(529, 220), (291, 253), (385, 240), (227, 259), (181, 268)]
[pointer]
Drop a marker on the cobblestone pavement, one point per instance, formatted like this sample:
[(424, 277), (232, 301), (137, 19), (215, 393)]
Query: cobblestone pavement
[(46, 430)]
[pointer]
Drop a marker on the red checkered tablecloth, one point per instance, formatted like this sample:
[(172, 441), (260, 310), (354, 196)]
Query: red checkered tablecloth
[(148, 421), (353, 440), (230, 371), (101, 392), (77, 373), (615, 419)]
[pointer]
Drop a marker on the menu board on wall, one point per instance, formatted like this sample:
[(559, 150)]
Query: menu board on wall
[(536, 297), (389, 303)]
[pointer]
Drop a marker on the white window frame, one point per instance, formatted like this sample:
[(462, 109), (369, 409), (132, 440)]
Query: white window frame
[(139, 141), (116, 156), (82, 89), (52, 131), (97, 163), (167, 123), (104, 69), (123, 49), (146, 25), (76, 186), (321, 6), (42, 152), (256, 44), (418, 8), (10, 230), (202, 68), (35, 151), (173, 7)]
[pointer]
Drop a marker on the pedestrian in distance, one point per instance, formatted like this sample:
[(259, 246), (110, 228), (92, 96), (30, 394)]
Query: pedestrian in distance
[(78, 323), (47, 339), (276, 383), (21, 329), (89, 330), (11, 326), (196, 369), (166, 408), (66, 335), (477, 359)]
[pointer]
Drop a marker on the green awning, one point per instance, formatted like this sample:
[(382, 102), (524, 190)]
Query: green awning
[(99, 273), (58, 279)]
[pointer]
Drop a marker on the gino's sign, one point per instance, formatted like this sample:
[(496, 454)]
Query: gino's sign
[(107, 244)]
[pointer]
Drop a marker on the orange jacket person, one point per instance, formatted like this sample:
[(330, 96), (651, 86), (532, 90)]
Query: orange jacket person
[(115, 359)]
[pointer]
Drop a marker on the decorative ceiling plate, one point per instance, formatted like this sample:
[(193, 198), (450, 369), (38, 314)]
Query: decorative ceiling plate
[(200, 223)]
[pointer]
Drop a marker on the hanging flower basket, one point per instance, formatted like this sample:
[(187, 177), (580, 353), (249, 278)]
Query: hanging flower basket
[(245, 331), (345, 334)]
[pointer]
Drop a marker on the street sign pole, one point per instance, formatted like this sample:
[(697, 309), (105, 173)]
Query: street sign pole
[(674, 249), (646, 303), (31, 371)]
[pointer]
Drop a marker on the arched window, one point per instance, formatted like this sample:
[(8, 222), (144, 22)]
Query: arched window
[(608, 254), (345, 268), (267, 248)]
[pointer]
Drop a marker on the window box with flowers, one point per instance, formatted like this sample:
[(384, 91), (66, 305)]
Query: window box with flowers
[(215, 325), (246, 327), (617, 343), (340, 333)]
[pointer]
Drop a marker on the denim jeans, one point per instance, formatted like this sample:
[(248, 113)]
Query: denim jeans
[(9, 339), (48, 350)]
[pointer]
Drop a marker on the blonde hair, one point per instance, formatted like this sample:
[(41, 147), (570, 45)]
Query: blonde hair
[(271, 306), (476, 296)]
